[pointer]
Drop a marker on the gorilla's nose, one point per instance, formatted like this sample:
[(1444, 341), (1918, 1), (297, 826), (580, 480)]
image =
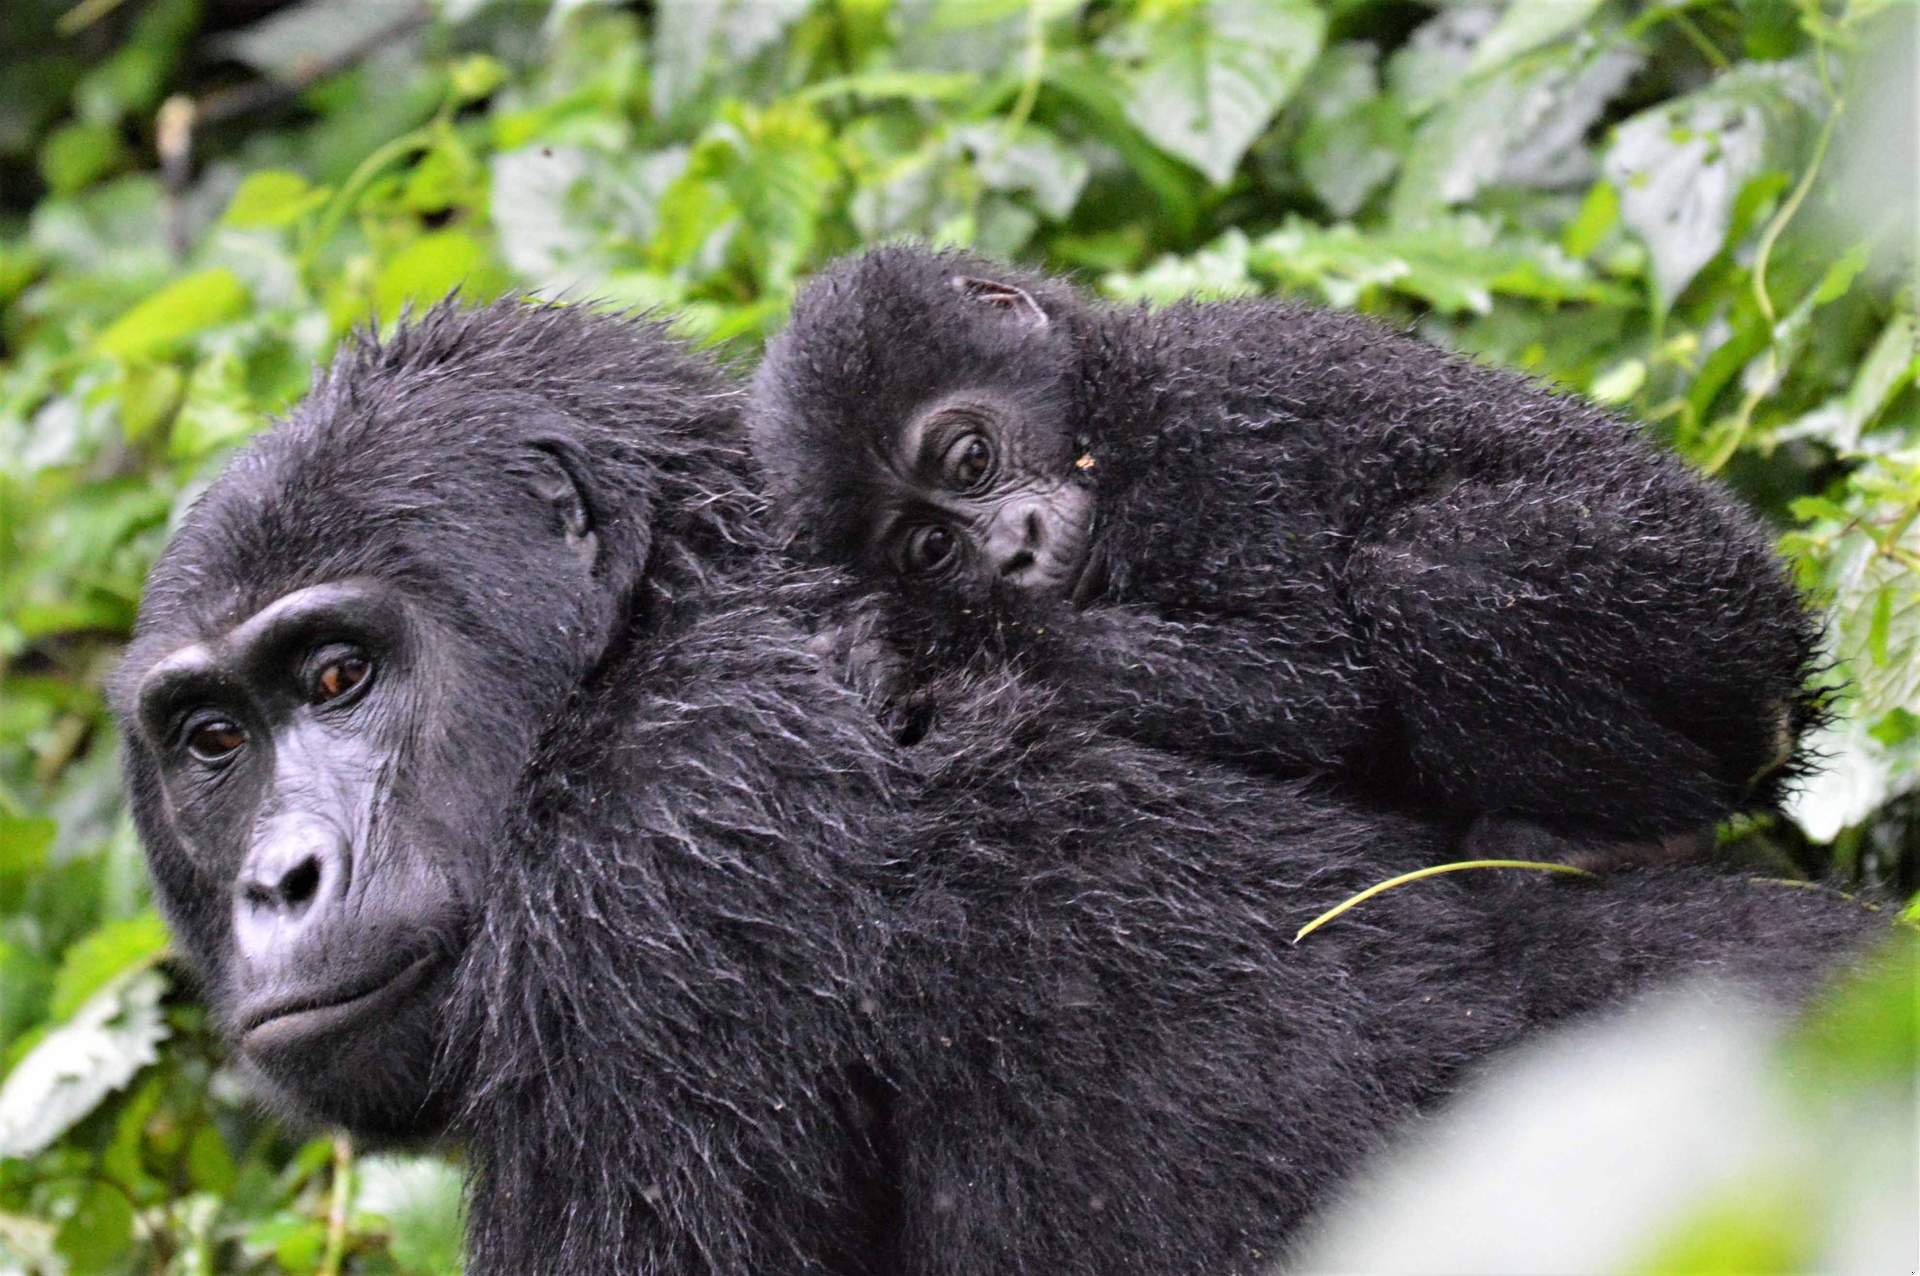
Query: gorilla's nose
[(1014, 540), (297, 871)]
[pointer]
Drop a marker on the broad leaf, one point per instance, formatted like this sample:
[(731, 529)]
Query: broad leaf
[(1680, 166), (181, 310), (1204, 79), (419, 1200), (78, 1064)]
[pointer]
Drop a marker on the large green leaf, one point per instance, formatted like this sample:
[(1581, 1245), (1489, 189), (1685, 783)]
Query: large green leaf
[(1205, 78), (1680, 166), (177, 312), (418, 1199), (114, 1035)]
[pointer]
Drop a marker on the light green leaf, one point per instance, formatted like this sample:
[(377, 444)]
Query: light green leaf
[(1888, 366), (418, 1199), (181, 310), (78, 1064), (1035, 162), (24, 843), (1526, 25), (96, 1237), (109, 953), (1218, 270), (273, 197), (691, 37), (1205, 79), (1680, 166), (912, 86), (431, 267)]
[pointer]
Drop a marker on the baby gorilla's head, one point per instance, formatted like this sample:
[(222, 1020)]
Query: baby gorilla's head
[(915, 422)]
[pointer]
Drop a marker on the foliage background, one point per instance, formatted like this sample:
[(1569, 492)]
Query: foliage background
[(1700, 210)]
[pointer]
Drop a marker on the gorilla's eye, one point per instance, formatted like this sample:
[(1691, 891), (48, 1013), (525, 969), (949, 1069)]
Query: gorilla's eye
[(971, 461), (215, 740), (339, 676), (928, 548)]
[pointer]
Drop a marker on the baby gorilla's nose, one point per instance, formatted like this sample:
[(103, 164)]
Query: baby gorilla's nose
[(1015, 538)]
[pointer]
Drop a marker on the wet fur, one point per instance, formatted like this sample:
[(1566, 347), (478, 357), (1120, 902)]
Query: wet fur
[(1326, 547), (748, 987)]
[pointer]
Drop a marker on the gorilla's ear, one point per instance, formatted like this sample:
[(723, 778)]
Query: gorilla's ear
[(1017, 302), (559, 479)]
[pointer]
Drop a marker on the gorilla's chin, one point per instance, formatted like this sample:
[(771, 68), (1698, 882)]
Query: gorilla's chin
[(360, 1056)]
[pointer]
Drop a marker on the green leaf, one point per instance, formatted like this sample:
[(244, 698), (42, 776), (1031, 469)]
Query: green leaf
[(1889, 365), (77, 155), (1619, 383), (1680, 166), (690, 39), (182, 309), (273, 197), (1219, 270), (418, 1199), (24, 843), (104, 956), (1204, 79), (1526, 25), (99, 1232), (912, 86), (79, 1063), (432, 266), (1599, 213), (1757, 1226)]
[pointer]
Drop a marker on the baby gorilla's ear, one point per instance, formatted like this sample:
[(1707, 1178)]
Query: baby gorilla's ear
[(557, 479), (1017, 302)]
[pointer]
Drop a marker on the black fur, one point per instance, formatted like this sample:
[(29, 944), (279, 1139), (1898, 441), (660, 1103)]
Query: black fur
[(1324, 546), (744, 986)]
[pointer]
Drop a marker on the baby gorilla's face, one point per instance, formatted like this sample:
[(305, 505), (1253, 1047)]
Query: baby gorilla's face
[(973, 498)]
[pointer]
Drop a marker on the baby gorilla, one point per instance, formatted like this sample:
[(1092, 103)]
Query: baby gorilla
[(1289, 538)]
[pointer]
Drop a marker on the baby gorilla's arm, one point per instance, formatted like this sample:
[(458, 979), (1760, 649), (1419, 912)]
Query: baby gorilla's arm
[(1578, 661), (1291, 699)]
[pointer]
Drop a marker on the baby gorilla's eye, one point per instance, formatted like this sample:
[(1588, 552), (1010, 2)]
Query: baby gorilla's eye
[(337, 677), (215, 740), (928, 549), (971, 461)]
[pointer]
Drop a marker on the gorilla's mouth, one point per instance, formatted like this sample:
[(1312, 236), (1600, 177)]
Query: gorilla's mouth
[(324, 1012)]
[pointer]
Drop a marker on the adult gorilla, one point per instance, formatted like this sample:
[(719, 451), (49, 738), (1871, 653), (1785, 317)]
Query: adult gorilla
[(488, 773)]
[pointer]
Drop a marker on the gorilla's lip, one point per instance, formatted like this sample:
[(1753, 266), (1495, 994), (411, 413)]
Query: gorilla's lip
[(324, 1012)]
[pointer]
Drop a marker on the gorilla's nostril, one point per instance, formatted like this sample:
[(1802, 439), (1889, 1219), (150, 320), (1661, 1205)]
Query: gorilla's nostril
[(292, 892), (1017, 563), (301, 884), (1035, 528)]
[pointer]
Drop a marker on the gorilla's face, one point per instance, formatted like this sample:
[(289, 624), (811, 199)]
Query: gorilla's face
[(287, 750), (323, 765)]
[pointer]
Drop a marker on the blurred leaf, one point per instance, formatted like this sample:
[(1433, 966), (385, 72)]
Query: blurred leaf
[(1679, 166), (273, 197), (689, 38), (181, 310), (1760, 1226), (98, 1234), (430, 268), (1526, 25), (1204, 78), (24, 843), (78, 1064), (419, 1199), (1868, 1029), (109, 953), (78, 155)]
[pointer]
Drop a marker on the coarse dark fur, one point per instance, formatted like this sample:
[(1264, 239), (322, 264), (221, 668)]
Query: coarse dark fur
[(738, 984), (1318, 545)]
